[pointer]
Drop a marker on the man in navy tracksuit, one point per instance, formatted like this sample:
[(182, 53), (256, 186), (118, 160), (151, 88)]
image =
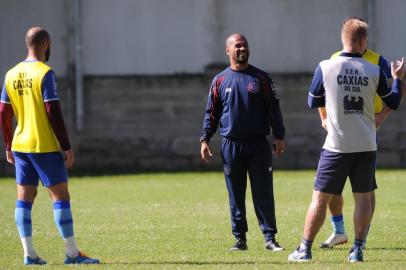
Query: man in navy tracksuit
[(244, 101)]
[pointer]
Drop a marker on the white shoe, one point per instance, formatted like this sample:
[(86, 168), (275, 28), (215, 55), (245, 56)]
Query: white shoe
[(335, 239)]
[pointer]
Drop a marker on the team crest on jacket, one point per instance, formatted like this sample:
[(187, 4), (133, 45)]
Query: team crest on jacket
[(253, 87)]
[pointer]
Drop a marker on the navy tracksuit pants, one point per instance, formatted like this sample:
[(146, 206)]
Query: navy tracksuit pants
[(254, 157)]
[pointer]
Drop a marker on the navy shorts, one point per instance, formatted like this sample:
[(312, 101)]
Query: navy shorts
[(334, 168), (49, 167)]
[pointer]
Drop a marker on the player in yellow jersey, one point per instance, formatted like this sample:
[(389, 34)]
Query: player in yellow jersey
[(29, 93), (381, 113)]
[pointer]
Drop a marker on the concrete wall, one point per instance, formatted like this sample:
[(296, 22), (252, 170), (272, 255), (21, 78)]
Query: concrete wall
[(18, 16), (156, 37), (143, 123), (147, 77), (126, 37), (389, 38)]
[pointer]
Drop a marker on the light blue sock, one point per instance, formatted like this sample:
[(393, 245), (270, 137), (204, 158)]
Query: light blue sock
[(338, 224), (63, 218), (23, 218)]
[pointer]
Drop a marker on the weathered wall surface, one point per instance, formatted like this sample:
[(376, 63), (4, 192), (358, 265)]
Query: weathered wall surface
[(164, 37), (139, 123), (145, 123), (144, 109)]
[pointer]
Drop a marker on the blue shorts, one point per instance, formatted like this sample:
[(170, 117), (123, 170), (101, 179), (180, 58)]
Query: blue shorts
[(49, 167), (334, 168)]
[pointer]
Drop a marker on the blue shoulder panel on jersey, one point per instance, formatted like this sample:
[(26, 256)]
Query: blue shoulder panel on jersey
[(4, 96), (384, 65), (383, 87), (49, 91), (391, 97), (316, 96)]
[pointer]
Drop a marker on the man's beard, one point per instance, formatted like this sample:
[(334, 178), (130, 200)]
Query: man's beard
[(242, 58), (47, 54)]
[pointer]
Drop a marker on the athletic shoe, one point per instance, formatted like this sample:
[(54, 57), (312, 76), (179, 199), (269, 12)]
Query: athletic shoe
[(300, 255), (335, 239), (239, 245), (81, 259), (273, 245), (31, 261), (355, 255)]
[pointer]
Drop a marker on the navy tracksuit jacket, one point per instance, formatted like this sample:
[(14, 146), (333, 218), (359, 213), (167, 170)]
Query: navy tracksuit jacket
[(245, 104)]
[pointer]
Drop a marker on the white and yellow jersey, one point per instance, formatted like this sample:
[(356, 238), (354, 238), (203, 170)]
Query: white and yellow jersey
[(376, 59), (24, 90)]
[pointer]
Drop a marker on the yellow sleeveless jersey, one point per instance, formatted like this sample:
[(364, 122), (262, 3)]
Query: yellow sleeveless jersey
[(373, 58), (33, 133)]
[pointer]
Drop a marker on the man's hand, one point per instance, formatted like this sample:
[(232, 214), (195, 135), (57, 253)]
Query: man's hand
[(324, 124), (279, 147), (10, 157), (205, 152), (381, 117), (397, 69), (323, 117), (70, 158)]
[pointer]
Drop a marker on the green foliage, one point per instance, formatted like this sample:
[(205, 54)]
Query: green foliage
[(181, 221)]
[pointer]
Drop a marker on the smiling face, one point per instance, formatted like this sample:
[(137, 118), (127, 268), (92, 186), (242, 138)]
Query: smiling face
[(237, 49)]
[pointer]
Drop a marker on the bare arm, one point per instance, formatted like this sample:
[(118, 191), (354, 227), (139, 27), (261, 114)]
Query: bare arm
[(323, 116), (383, 115)]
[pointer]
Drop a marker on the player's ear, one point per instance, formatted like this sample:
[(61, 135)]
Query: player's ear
[(47, 44), (364, 43)]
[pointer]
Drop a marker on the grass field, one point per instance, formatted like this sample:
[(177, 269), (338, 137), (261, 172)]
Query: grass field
[(181, 221)]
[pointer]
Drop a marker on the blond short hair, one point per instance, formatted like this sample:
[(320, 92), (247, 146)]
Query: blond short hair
[(354, 30)]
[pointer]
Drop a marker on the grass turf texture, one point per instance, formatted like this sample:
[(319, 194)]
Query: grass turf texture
[(181, 221)]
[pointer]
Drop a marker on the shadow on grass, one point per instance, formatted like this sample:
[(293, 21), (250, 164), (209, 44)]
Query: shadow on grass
[(219, 263), (192, 263), (386, 248), (317, 262), (313, 262), (367, 249)]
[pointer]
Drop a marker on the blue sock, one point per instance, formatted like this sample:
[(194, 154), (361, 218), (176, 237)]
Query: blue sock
[(23, 218), (63, 218), (338, 224)]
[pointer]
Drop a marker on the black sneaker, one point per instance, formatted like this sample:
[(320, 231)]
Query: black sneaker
[(241, 244), (273, 245)]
